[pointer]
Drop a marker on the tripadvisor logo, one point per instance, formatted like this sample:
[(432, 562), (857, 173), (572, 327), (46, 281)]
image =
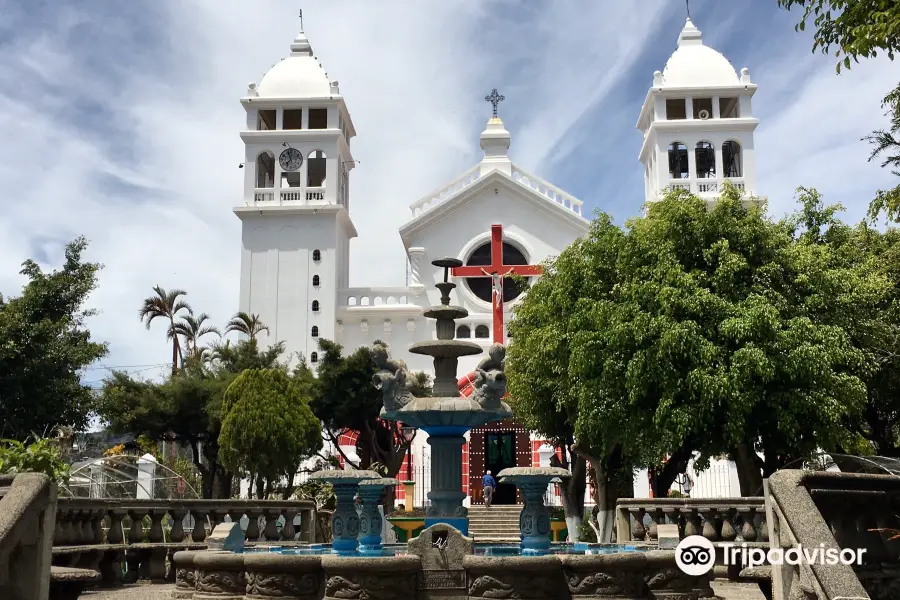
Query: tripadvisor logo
[(695, 555)]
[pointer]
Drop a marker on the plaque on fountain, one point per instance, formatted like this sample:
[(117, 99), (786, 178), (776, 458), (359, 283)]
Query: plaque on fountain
[(442, 548)]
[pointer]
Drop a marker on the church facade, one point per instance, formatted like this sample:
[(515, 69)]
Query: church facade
[(495, 217)]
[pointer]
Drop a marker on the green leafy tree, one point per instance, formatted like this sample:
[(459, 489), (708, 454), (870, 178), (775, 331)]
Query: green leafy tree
[(346, 399), (267, 427), (168, 306), (45, 347), (187, 406), (41, 455), (712, 331), (852, 30)]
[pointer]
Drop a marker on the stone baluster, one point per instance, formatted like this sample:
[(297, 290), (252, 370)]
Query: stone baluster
[(252, 533), (132, 565), (638, 531), (96, 524), (114, 535), (136, 533), (692, 522), (155, 534), (308, 526), (75, 537), (177, 533), (670, 515), (198, 533), (728, 533), (61, 530), (288, 532), (709, 530), (270, 533), (748, 529), (656, 517)]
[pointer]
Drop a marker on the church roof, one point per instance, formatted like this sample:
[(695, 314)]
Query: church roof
[(695, 65), (298, 76), (495, 167), (538, 193)]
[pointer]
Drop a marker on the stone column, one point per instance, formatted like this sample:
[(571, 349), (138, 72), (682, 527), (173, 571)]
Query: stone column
[(416, 285), (446, 493), (534, 520)]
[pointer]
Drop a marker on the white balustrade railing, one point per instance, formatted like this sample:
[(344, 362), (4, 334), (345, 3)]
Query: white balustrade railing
[(369, 297), (289, 195), (706, 186), (441, 194), (549, 191)]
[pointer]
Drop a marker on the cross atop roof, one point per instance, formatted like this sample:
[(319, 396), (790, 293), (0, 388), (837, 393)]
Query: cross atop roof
[(494, 98)]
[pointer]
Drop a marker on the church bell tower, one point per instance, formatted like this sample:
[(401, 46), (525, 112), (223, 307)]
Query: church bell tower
[(698, 124), (296, 226)]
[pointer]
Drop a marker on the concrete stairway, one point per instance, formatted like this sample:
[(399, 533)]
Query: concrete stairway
[(498, 524)]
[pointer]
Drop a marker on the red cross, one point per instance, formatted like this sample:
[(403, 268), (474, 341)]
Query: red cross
[(497, 269)]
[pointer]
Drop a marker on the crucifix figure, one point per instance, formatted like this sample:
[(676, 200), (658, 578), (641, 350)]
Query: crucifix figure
[(497, 271), (495, 99)]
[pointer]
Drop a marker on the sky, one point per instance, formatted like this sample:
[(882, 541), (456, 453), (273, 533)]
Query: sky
[(122, 125)]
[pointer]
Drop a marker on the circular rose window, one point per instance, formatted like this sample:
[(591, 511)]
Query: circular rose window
[(483, 286)]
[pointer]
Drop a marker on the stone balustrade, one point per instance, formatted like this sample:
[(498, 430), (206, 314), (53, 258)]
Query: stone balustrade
[(835, 511), (144, 534), (27, 504), (716, 519)]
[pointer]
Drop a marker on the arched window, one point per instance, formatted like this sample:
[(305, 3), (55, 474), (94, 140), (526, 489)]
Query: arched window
[(678, 161), (705, 157), (316, 280), (732, 159), (482, 332), (314, 357), (463, 332), (265, 170), (315, 169), (315, 306), (315, 331), (317, 255), (483, 287)]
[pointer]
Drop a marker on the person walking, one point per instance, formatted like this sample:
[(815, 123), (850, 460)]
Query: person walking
[(489, 484)]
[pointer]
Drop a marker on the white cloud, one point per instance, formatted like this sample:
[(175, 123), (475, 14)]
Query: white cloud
[(147, 169)]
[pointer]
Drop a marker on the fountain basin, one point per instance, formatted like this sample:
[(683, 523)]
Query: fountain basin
[(534, 520), (446, 348), (437, 412), (636, 575)]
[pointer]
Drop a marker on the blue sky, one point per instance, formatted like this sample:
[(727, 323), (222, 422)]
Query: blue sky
[(123, 125)]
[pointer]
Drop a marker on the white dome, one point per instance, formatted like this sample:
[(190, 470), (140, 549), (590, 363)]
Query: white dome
[(696, 65), (298, 76)]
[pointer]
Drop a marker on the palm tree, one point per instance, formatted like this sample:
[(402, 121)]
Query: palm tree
[(166, 305), (249, 325), (193, 328)]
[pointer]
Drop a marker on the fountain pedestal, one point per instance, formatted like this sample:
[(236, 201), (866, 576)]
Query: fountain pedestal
[(345, 519), (446, 493), (534, 520), (370, 519)]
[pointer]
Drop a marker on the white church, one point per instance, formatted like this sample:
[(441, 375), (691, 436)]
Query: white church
[(497, 218)]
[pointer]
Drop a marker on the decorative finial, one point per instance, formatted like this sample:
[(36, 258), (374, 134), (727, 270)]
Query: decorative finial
[(494, 98), (301, 19), (687, 4)]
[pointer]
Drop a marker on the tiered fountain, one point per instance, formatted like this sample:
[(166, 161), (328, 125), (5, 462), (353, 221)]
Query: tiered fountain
[(446, 416)]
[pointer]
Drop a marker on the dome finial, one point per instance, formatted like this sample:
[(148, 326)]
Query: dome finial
[(687, 5), (690, 35), (301, 19)]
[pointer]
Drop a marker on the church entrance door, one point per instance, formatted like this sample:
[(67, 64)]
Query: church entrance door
[(500, 453)]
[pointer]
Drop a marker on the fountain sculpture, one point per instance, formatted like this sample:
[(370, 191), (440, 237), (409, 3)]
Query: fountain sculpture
[(345, 526), (446, 416), (534, 520)]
